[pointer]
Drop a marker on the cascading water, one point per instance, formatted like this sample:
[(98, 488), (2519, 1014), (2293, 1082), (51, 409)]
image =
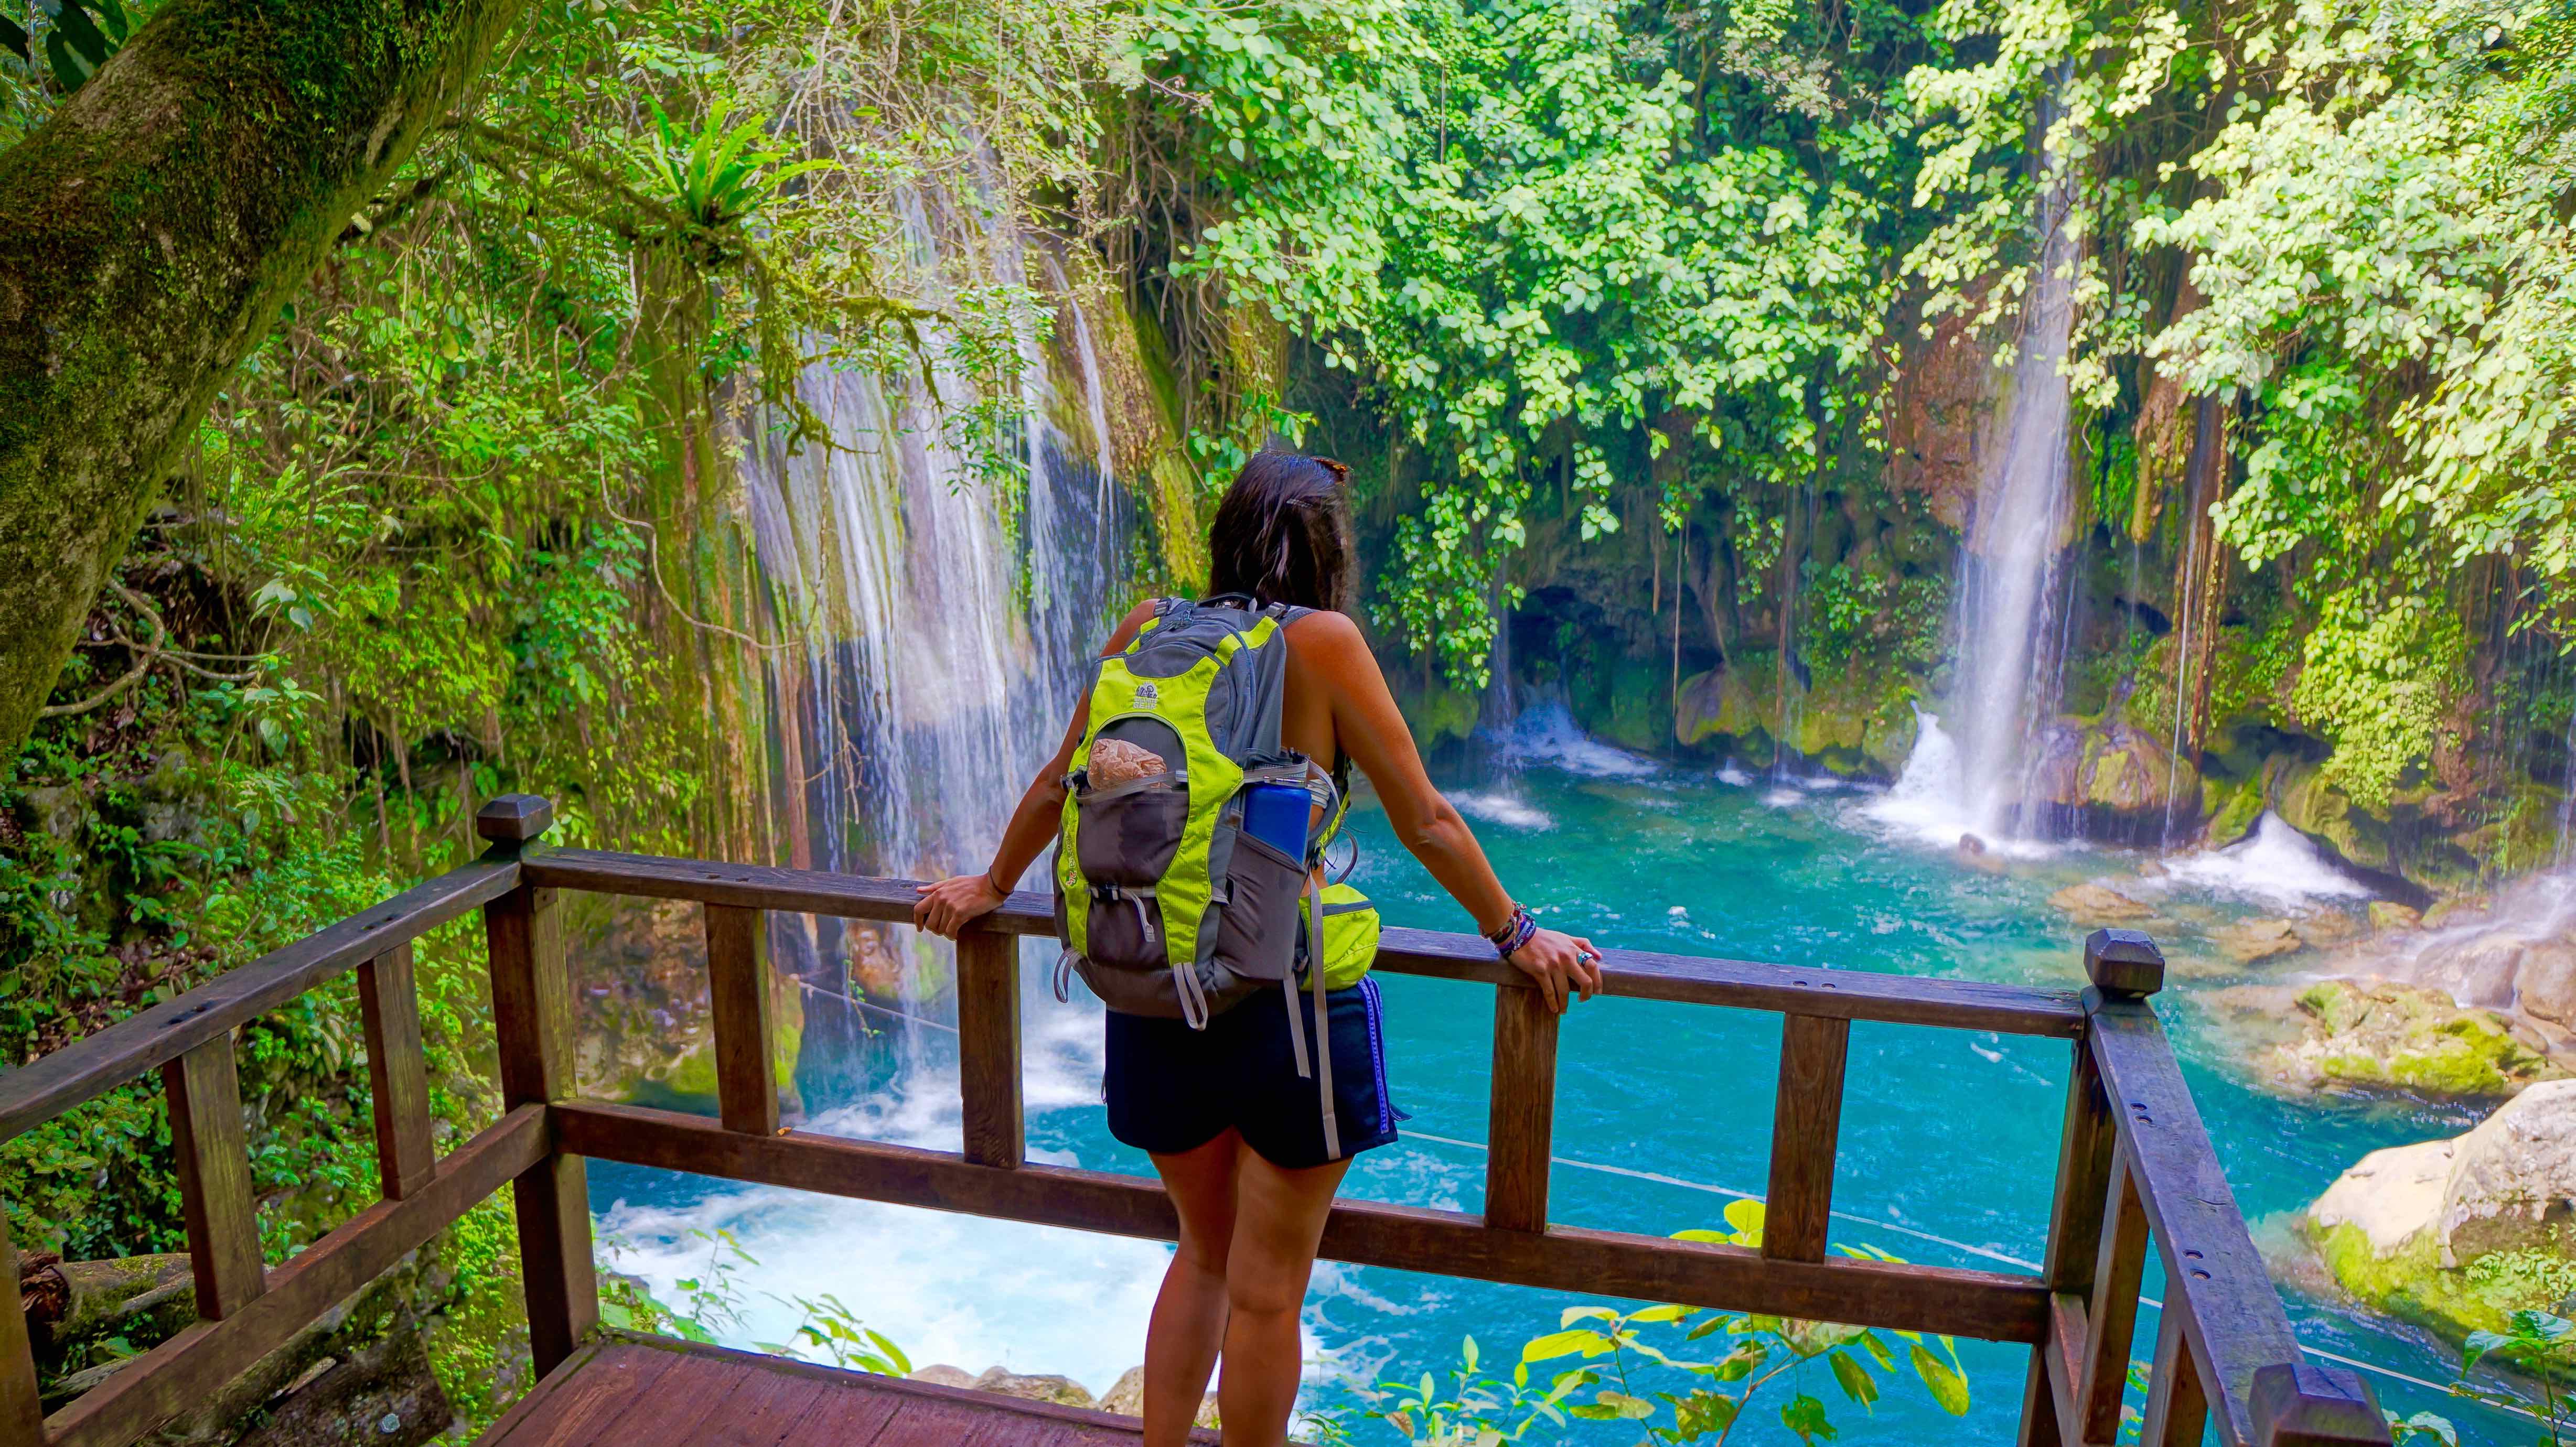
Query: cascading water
[(944, 652), (2005, 690)]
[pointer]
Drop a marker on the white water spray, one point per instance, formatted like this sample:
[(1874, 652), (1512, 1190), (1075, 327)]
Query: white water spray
[(2006, 688)]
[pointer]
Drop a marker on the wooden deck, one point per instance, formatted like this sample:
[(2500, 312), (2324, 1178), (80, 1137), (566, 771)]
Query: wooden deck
[(630, 1391)]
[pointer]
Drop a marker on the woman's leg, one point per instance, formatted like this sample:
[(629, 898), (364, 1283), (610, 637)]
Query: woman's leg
[(1278, 1221), (1190, 1312)]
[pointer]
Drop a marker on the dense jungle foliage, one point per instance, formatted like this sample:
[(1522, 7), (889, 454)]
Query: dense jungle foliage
[(1582, 289)]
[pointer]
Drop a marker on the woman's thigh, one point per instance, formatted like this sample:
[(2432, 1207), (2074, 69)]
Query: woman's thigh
[(1278, 1222), (1201, 1183)]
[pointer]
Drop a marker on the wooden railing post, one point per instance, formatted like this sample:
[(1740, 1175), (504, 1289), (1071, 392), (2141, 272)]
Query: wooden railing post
[(738, 996), (1520, 1127), (2301, 1404), (22, 1410), (532, 1023), (988, 1047), (2177, 1407), (2111, 1325), (397, 1073), (213, 1153), (1806, 1132)]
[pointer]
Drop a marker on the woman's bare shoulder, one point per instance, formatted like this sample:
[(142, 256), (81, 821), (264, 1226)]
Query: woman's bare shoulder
[(1324, 633)]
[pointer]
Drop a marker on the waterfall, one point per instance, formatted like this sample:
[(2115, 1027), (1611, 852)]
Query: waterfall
[(2005, 690), (944, 654)]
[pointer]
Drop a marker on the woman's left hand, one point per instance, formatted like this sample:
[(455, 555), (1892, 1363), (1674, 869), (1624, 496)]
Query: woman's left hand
[(952, 904)]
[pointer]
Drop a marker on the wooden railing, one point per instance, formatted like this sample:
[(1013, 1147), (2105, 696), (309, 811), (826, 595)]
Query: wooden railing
[(2135, 1166)]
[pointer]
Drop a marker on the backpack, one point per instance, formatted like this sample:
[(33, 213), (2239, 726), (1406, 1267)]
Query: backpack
[(1165, 904)]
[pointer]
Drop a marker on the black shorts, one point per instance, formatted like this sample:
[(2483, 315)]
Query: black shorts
[(1173, 1089)]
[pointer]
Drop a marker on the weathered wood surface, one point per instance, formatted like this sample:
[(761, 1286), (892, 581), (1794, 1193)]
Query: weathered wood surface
[(1806, 1132), (988, 1047), (397, 1071), (1521, 1122), (1979, 1304), (1636, 974), (625, 1389), (2177, 1413), (190, 1367), (149, 1038), (532, 1028), (212, 1151), (738, 1000), (2111, 1326), (22, 1412), (2215, 1279)]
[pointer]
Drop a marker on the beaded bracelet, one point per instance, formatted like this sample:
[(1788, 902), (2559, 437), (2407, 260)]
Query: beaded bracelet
[(1515, 932)]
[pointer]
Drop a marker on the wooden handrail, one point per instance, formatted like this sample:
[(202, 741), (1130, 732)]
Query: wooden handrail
[(2135, 1166)]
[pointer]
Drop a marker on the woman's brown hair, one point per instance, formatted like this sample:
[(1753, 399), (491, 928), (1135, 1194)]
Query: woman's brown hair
[(1283, 533)]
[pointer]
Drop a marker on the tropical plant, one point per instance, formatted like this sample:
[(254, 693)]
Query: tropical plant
[(2541, 1345)]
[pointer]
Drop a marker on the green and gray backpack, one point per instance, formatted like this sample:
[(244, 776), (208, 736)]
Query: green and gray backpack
[(1166, 905)]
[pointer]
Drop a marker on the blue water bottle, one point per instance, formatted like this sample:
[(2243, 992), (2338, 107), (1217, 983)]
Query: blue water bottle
[(1276, 814)]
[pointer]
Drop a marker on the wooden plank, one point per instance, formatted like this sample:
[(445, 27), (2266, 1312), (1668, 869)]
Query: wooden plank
[(532, 1026), (2177, 1410), (2039, 1405), (578, 1401), (213, 1156), (190, 1367), (1743, 984), (2063, 1353), (2084, 1153), (2231, 1315), (1521, 1122), (2112, 1323), (22, 1412), (738, 994), (696, 1392), (1986, 1305), (397, 1071), (1806, 1131), (150, 1038), (988, 1047)]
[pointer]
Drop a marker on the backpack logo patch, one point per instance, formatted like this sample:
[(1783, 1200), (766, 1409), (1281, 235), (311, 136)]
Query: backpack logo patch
[(1147, 695)]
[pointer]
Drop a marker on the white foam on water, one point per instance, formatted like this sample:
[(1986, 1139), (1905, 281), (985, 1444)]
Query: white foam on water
[(1495, 806), (1548, 735), (1783, 797), (1733, 774), (2273, 864), (1929, 801)]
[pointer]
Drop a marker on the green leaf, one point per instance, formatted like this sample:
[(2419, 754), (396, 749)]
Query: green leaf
[(1565, 1344), (1948, 1387), (14, 39), (1805, 1416), (1853, 1378)]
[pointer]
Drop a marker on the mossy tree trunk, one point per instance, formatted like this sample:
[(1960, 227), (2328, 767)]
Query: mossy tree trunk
[(149, 233)]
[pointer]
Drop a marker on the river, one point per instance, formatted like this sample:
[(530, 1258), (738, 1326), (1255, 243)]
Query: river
[(1663, 1111)]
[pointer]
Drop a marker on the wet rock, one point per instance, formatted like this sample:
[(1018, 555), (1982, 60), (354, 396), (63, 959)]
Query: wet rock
[(1716, 704), (56, 810), (2097, 904), (2414, 1230), (2378, 1034), (1064, 1391), (2476, 970), (2325, 929), (941, 1374), (2544, 983), (2257, 939), (1126, 1397), (2387, 914), (2513, 1177)]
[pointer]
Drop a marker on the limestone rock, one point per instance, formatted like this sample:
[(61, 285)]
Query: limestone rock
[(2257, 939), (941, 1374), (2511, 1175), (1714, 704), (2388, 914), (2391, 1196), (2378, 1033), (1126, 1397), (1064, 1391), (2097, 904), (2544, 983)]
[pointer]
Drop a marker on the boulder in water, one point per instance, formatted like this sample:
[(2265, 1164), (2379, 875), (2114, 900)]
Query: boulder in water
[(2375, 1033), (2097, 904), (941, 1374), (2389, 915), (2544, 983), (2455, 1234), (2257, 939), (1064, 1391)]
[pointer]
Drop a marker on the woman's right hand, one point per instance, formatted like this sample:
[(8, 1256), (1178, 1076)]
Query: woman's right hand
[(952, 904), (1560, 965)]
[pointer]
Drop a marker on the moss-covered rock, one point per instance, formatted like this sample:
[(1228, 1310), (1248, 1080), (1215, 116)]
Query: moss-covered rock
[(2392, 1036), (2311, 803)]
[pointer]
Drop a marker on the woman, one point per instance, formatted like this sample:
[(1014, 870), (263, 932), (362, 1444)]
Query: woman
[(1237, 1139)]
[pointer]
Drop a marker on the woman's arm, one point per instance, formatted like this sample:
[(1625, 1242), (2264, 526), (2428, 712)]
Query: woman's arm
[(951, 904), (1373, 731)]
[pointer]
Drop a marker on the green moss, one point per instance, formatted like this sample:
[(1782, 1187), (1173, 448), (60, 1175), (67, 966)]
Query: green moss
[(2409, 1284)]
